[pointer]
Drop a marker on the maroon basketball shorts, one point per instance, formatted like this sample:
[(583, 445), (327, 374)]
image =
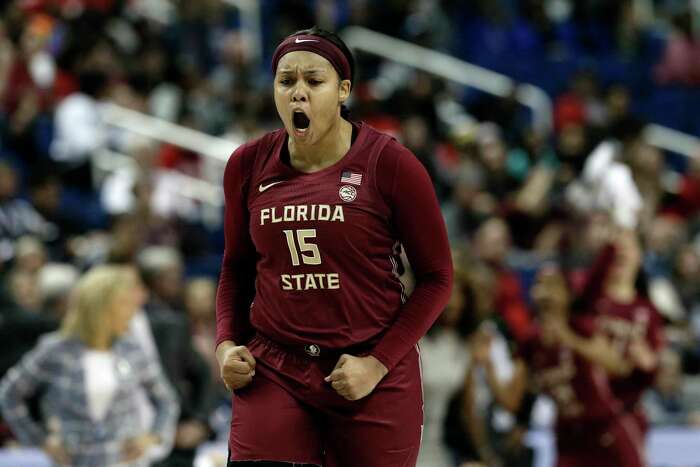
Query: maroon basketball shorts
[(614, 443), (290, 414)]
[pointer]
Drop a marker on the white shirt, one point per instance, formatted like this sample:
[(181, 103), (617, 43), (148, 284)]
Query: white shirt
[(79, 128), (444, 359), (100, 382)]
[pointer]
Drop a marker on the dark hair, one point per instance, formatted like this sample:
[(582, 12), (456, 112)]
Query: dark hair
[(92, 83), (337, 41)]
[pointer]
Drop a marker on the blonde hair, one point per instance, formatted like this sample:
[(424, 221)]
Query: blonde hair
[(88, 317)]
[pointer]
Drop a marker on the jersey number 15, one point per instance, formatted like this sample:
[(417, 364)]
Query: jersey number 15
[(309, 251)]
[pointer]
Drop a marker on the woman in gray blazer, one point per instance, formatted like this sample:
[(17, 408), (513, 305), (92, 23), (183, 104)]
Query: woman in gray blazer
[(86, 376)]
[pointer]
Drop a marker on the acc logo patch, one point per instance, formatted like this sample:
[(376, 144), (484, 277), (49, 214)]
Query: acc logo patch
[(348, 193)]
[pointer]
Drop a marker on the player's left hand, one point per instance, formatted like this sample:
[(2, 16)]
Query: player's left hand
[(356, 377), (643, 355)]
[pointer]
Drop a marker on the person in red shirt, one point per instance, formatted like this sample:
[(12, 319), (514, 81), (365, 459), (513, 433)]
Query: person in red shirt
[(315, 335), (591, 426), (628, 332), (492, 243), (628, 318)]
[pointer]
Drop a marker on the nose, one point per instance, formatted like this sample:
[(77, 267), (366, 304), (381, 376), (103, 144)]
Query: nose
[(300, 93)]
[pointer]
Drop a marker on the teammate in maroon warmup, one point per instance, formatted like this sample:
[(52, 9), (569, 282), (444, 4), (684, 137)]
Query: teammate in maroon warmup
[(629, 320), (314, 334), (591, 427)]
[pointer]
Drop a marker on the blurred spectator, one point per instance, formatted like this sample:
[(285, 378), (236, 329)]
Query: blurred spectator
[(572, 148), (477, 427), (646, 163), (7, 52), (492, 244), (470, 203), (30, 254), (46, 192), (24, 291), (687, 203), (20, 328), (681, 59), (200, 304), (664, 236), (675, 399), (581, 105), (186, 369), (499, 181), (535, 150), (444, 359), (55, 282), (80, 130), (90, 359), (686, 276), (126, 240), (162, 270), (416, 136), (17, 216)]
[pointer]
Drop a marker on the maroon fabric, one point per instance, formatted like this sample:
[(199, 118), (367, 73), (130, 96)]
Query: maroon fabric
[(614, 444), (580, 389), (622, 323), (510, 304), (317, 45), (236, 289), (351, 295), (289, 413)]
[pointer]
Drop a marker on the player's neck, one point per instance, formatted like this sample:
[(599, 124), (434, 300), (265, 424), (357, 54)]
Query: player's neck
[(324, 152)]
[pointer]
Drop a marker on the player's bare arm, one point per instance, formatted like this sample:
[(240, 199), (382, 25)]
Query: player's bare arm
[(597, 349)]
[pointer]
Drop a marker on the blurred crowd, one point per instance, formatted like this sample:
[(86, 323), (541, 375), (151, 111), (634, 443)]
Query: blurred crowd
[(505, 187)]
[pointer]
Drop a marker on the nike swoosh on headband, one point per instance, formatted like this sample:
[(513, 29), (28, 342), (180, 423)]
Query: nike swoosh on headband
[(299, 41), (262, 187)]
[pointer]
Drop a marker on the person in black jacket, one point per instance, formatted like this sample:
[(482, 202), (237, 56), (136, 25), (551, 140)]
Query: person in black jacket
[(185, 368)]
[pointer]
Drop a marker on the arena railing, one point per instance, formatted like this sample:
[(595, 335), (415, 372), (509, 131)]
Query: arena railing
[(107, 161), (218, 149), (207, 190), (467, 74), (162, 130)]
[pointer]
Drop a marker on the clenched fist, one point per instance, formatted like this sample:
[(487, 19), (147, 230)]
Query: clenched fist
[(236, 365), (356, 377)]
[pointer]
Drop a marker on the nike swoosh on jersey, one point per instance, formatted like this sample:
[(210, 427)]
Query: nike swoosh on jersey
[(262, 187), (299, 41)]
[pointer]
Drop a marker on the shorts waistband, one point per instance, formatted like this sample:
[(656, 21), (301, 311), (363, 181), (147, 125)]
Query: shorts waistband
[(313, 350)]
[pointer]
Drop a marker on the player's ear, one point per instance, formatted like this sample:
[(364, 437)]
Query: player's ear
[(344, 91)]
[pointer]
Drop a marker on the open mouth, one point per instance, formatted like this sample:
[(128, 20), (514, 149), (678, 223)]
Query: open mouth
[(301, 121)]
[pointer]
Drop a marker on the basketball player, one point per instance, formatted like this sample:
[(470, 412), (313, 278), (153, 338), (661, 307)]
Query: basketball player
[(314, 333), (592, 427)]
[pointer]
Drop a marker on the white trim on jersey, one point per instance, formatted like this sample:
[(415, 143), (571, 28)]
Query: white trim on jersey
[(422, 393), (395, 270)]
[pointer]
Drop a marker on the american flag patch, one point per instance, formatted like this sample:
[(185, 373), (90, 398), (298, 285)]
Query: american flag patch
[(351, 177)]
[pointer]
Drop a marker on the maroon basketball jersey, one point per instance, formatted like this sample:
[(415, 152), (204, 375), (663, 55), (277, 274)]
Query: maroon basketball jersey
[(623, 323), (326, 272), (580, 390)]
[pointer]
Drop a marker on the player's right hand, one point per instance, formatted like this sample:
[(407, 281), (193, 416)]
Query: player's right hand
[(237, 366)]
